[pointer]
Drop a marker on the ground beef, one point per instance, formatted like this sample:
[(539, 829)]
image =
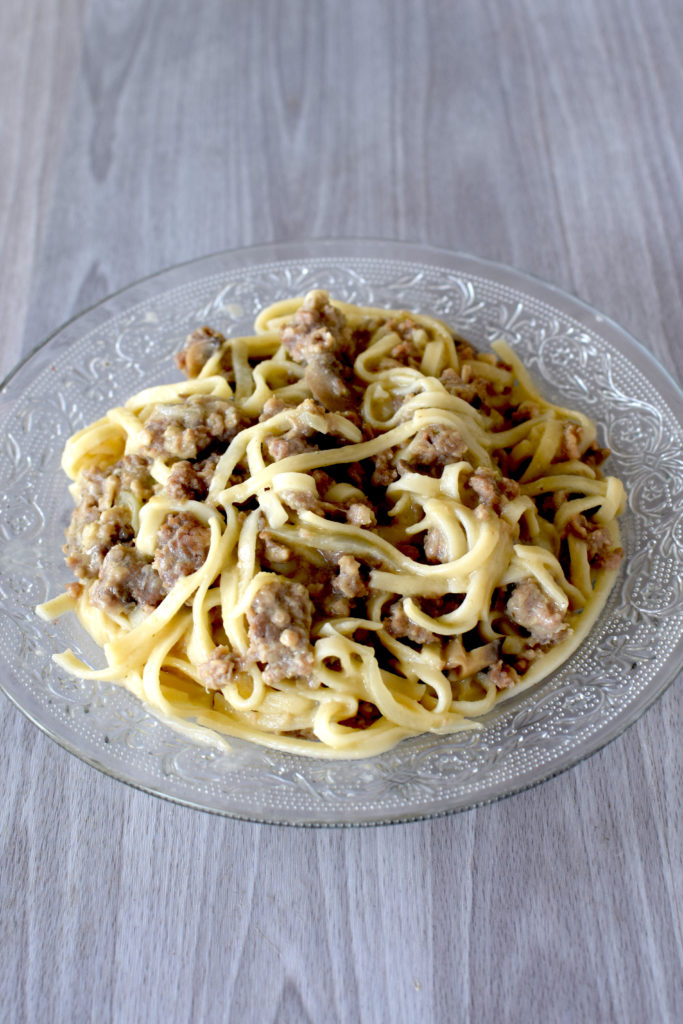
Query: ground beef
[(349, 582), (183, 430), (432, 448), (273, 551), (529, 607), (601, 551), (400, 626), (323, 481), (594, 455), (182, 546), (435, 546), (456, 385), (366, 714), (220, 669), (126, 579), (198, 349), (299, 438), (92, 532), (409, 350), (274, 405), (190, 481), (100, 520), (279, 621), (291, 443), (385, 471), (570, 445), (317, 327), (360, 513), (502, 675), (493, 490), (130, 474)]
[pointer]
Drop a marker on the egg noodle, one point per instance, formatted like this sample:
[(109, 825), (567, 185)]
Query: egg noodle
[(346, 529)]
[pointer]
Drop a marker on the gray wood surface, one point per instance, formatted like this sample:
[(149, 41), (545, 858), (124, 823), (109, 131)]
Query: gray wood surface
[(541, 133)]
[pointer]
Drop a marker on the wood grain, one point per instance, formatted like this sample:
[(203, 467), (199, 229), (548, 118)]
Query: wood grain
[(543, 134)]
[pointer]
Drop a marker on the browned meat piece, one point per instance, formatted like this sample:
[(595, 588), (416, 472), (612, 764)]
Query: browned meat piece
[(385, 471), (323, 481), (100, 521), (367, 714), (126, 579), (316, 327), (220, 669), (399, 625), (130, 474), (601, 551), (272, 406), (407, 353), (465, 350), (182, 547), (570, 445), (291, 443), (191, 481), (359, 513), (298, 438), (303, 501), (273, 551), (532, 610), (198, 349), (594, 455), (279, 621), (92, 532), (457, 386), (435, 547), (335, 606), (349, 582), (502, 675), (432, 448), (183, 430), (493, 490)]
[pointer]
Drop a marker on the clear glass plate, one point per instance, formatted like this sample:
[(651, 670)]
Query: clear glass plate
[(580, 358)]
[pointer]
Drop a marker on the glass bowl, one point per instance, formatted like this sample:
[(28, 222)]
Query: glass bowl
[(580, 358)]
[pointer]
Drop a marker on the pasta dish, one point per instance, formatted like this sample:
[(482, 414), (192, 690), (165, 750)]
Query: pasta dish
[(348, 528)]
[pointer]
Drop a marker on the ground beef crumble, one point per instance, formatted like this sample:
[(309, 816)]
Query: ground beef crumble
[(529, 608), (400, 626), (126, 579), (432, 448), (100, 521), (279, 621), (492, 489), (182, 546), (183, 430), (302, 436), (220, 669), (190, 481), (601, 549)]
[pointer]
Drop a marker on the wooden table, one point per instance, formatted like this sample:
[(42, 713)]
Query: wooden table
[(541, 133)]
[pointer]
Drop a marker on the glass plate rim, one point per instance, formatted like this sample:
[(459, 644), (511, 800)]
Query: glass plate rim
[(398, 251)]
